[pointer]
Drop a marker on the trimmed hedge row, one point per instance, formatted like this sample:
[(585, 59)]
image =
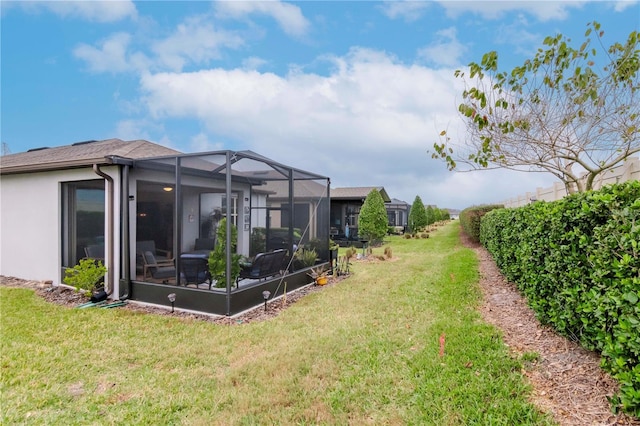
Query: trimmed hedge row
[(470, 219), (577, 261)]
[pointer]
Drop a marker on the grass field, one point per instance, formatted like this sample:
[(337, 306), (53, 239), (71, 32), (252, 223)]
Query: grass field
[(363, 351)]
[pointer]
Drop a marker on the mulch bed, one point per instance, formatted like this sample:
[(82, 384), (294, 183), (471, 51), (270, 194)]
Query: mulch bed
[(567, 380)]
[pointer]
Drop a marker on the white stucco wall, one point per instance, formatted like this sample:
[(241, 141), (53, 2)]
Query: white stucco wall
[(30, 226), (31, 222)]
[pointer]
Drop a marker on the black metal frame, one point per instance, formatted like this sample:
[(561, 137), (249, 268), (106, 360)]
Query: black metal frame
[(233, 299)]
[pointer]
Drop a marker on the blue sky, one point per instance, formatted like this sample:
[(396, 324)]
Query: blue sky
[(356, 90)]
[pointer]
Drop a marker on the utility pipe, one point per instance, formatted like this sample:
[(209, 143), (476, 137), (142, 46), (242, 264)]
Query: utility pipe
[(110, 221)]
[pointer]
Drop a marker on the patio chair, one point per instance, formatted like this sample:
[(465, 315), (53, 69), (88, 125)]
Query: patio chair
[(265, 265), (204, 244), (159, 270), (150, 245), (194, 270), (95, 251)]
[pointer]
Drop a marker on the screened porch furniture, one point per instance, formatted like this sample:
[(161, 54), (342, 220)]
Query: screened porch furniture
[(159, 270), (150, 246), (95, 251), (194, 269), (265, 265), (204, 244)]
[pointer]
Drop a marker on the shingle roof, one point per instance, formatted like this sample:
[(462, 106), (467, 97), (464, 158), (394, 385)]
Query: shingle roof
[(396, 202), (357, 193), (80, 154)]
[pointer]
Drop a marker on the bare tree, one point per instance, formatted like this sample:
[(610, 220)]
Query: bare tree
[(562, 112)]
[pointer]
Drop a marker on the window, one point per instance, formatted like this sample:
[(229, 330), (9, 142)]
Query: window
[(213, 207), (82, 219)]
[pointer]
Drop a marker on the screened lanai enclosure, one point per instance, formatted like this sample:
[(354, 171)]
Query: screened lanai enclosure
[(215, 232)]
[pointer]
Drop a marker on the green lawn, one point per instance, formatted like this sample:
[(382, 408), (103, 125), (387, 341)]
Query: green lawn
[(364, 351)]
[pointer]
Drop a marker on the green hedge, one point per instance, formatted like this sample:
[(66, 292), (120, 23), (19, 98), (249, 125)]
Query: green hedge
[(577, 261), (470, 219)]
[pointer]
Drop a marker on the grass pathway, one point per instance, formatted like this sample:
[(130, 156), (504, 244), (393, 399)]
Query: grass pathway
[(364, 351)]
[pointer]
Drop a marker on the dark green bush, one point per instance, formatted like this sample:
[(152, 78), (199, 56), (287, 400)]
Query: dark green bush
[(373, 220), (577, 261), (470, 219)]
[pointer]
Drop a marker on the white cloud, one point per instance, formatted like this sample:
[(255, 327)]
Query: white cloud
[(517, 34), (446, 52), (133, 129), (110, 56), (370, 122), (253, 63), (622, 5), (94, 11), (464, 189), (543, 10), (288, 16), (195, 41), (201, 143), (409, 10)]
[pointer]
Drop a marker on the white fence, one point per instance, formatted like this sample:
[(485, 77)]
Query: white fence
[(629, 170)]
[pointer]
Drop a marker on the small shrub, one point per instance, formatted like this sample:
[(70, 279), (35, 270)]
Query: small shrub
[(306, 257), (218, 257), (86, 275), (407, 236), (388, 252)]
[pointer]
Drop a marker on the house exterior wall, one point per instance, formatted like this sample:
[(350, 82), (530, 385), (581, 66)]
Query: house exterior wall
[(31, 223), (29, 226)]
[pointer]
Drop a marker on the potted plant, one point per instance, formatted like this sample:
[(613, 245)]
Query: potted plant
[(319, 275)]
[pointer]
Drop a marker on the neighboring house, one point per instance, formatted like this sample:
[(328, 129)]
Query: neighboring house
[(124, 199), (398, 213), (345, 208), (454, 213)]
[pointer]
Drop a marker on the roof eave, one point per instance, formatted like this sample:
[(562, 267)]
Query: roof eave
[(61, 165)]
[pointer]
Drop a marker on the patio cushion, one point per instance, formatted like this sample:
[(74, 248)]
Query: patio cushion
[(151, 258), (165, 270)]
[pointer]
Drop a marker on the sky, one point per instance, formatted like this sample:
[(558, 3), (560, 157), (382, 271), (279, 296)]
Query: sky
[(354, 90)]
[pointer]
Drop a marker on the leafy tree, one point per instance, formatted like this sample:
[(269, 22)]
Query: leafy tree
[(373, 221), (431, 215), (560, 112), (417, 215)]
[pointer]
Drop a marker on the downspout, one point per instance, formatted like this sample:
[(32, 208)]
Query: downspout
[(125, 230), (108, 285)]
